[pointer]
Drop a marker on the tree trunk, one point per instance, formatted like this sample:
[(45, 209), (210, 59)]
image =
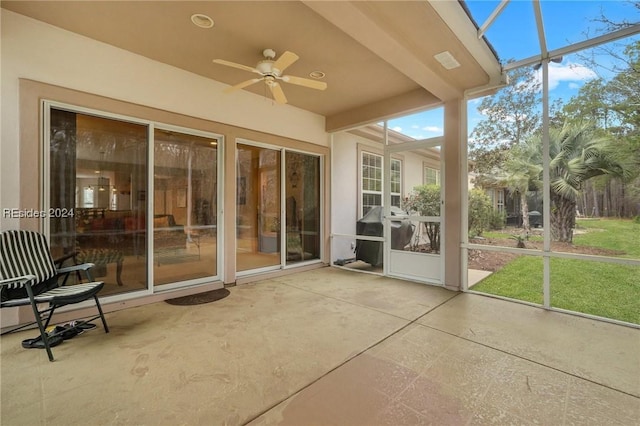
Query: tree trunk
[(524, 208), (623, 212), (605, 200), (596, 211), (563, 218), (433, 233)]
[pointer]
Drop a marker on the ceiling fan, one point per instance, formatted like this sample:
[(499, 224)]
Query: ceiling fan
[(270, 72)]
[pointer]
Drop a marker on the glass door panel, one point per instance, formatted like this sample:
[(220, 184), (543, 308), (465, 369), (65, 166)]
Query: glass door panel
[(97, 181), (302, 207), (184, 207), (414, 231), (258, 208)]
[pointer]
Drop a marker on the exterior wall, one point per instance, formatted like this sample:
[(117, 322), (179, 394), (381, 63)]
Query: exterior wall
[(38, 51), (413, 175), (39, 61), (344, 201)]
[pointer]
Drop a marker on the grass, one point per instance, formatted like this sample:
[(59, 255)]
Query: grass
[(596, 288), (618, 234)]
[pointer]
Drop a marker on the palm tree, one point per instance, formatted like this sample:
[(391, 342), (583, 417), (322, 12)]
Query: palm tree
[(577, 153), (523, 172)]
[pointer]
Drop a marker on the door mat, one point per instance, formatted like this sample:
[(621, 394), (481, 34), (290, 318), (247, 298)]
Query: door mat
[(200, 298)]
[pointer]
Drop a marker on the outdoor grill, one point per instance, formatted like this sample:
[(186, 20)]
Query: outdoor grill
[(371, 224)]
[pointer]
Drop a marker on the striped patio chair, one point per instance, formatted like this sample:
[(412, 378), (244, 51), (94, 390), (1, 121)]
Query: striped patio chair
[(28, 276)]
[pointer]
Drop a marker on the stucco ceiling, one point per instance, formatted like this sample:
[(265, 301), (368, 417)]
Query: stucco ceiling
[(378, 57)]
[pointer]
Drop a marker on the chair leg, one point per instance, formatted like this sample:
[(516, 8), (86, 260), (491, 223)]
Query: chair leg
[(104, 321), (119, 273), (43, 331)]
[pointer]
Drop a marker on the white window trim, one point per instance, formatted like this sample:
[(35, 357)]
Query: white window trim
[(368, 149)]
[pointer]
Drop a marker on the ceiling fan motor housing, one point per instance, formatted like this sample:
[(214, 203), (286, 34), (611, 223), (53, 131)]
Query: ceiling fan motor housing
[(266, 68)]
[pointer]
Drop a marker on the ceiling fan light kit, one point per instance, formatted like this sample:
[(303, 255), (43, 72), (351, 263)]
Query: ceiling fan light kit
[(270, 71)]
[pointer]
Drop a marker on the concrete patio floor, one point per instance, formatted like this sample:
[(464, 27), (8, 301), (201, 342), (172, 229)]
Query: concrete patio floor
[(330, 347)]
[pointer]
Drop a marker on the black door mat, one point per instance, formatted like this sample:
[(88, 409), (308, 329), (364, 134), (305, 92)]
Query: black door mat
[(200, 298)]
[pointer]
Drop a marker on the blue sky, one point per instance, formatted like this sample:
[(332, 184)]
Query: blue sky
[(514, 36)]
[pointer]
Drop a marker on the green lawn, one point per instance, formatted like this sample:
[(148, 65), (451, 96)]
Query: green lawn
[(597, 288), (623, 235)]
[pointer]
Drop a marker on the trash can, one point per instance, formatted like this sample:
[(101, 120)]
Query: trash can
[(535, 219)]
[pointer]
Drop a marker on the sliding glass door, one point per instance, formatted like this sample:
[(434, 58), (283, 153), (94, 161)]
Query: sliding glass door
[(139, 230), (258, 208), (302, 207), (274, 187), (184, 207), (97, 196)]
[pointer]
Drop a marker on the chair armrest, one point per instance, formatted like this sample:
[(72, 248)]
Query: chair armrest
[(20, 280), (60, 260), (72, 268)]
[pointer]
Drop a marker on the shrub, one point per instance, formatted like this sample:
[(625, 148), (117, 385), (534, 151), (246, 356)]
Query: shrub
[(497, 220), (480, 212), (426, 200)]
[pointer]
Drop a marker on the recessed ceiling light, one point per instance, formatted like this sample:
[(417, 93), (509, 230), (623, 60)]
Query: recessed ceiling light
[(202, 21), (447, 60), (317, 74)]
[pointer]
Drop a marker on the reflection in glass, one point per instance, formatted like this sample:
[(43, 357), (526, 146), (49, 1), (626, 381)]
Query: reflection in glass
[(184, 207), (97, 185), (302, 201), (258, 208)]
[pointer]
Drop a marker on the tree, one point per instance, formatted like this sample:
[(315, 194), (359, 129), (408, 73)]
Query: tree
[(578, 153), (523, 171), (614, 106), (512, 115), (425, 199)]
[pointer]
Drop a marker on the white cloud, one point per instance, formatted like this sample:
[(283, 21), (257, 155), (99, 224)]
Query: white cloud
[(397, 129), (432, 129), (574, 74)]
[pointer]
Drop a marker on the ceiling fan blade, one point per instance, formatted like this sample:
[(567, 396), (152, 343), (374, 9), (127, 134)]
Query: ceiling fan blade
[(278, 94), (313, 84), (234, 65), (242, 85), (286, 59)]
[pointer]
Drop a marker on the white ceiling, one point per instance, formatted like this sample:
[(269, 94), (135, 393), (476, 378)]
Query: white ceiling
[(378, 56)]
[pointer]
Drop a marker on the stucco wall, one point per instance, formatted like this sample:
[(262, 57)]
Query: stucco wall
[(33, 50)]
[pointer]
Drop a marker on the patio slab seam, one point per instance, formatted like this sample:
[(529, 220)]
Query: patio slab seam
[(311, 383), (428, 310), (515, 355)]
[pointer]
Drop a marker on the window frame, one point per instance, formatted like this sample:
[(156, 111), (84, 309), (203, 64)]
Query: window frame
[(362, 150)]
